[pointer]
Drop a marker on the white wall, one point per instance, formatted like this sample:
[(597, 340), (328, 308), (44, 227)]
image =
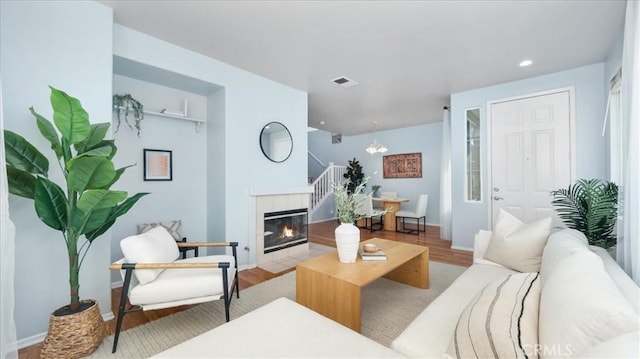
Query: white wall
[(250, 102), (426, 139), (590, 146), (66, 45), (183, 197)]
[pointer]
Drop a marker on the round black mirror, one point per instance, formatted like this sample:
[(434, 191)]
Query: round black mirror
[(276, 142)]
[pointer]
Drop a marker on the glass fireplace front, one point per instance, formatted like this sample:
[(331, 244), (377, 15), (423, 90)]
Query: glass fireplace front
[(284, 229)]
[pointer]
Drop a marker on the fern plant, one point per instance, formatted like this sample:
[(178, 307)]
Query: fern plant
[(591, 207)]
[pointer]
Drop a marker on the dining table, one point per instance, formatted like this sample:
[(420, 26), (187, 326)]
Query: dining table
[(390, 217)]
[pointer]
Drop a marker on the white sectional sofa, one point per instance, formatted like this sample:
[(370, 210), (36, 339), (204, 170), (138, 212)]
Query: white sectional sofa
[(599, 318), (588, 307)]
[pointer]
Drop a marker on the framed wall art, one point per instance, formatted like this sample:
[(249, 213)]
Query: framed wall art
[(157, 165), (407, 165)]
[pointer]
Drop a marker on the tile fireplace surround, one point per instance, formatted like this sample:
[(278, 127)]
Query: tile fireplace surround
[(274, 199)]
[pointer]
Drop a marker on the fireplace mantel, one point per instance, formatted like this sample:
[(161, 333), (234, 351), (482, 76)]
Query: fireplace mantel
[(279, 190)]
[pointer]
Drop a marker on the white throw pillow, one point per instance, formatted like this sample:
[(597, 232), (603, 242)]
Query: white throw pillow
[(154, 246), (501, 321), (173, 227), (480, 244), (581, 307), (518, 245), (559, 246)]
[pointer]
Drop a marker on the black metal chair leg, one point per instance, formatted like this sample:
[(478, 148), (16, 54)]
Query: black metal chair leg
[(123, 302), (225, 288), (237, 285)]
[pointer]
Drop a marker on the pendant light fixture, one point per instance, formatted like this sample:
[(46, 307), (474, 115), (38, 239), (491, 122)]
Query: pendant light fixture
[(375, 147)]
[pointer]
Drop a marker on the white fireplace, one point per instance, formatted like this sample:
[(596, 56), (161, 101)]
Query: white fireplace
[(280, 202)]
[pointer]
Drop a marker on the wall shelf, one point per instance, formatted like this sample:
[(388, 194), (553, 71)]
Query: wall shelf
[(175, 116)]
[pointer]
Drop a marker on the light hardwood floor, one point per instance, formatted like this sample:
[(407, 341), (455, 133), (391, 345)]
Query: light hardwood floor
[(321, 233)]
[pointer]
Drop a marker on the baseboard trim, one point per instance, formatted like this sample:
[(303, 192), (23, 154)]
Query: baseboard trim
[(462, 248), (39, 338), (247, 266), (32, 340)]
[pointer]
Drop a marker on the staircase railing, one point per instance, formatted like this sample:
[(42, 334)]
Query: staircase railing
[(322, 184)]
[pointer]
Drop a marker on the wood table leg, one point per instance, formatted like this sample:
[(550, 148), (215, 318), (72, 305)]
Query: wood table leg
[(390, 217), (333, 298), (414, 273)]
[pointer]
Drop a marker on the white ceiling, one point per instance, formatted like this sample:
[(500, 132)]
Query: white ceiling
[(408, 56)]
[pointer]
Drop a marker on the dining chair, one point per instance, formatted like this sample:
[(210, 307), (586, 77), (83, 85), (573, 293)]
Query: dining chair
[(420, 212), (368, 213)]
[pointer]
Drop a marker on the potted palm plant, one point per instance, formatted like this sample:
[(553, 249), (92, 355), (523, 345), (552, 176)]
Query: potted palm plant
[(591, 207), (81, 209)]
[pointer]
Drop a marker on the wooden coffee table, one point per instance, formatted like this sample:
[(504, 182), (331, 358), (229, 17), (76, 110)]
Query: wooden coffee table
[(334, 289)]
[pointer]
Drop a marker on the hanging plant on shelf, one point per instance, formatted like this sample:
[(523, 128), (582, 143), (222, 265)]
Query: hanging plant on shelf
[(126, 103)]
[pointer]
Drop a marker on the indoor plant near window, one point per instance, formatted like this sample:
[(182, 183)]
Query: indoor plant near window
[(591, 207), (347, 233), (83, 206), (126, 103)]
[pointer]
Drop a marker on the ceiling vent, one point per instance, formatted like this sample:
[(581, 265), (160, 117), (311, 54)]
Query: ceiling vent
[(344, 81)]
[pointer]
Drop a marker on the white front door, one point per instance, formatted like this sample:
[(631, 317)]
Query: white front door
[(530, 154)]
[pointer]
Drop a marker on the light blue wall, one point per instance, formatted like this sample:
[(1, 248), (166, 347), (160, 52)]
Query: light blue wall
[(590, 146), (250, 102), (426, 139), (66, 45), (168, 199)]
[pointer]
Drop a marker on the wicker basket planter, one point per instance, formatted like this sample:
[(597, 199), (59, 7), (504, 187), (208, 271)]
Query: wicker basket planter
[(74, 335)]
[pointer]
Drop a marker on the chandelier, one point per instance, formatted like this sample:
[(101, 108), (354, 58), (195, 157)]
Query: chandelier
[(375, 147)]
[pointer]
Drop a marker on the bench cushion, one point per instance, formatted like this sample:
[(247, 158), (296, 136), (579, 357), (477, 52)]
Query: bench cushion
[(280, 329), (183, 284)]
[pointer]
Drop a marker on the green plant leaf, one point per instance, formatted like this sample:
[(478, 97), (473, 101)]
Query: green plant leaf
[(51, 204), (119, 173), (69, 117), (94, 208), (22, 155), (116, 212), (86, 221), (96, 135), (48, 131), (104, 151), (90, 173), (589, 206), (100, 198), (21, 183)]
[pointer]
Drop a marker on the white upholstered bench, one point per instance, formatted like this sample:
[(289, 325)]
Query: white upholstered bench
[(282, 328)]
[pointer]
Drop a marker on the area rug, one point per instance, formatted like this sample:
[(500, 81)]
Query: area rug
[(388, 308)]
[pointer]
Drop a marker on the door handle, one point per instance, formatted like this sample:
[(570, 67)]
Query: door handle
[(496, 198)]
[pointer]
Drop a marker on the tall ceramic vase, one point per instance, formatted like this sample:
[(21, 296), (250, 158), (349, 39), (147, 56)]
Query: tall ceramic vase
[(347, 242)]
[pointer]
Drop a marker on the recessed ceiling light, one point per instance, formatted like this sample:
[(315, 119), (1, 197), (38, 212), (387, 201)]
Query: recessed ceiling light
[(322, 122), (525, 63)]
